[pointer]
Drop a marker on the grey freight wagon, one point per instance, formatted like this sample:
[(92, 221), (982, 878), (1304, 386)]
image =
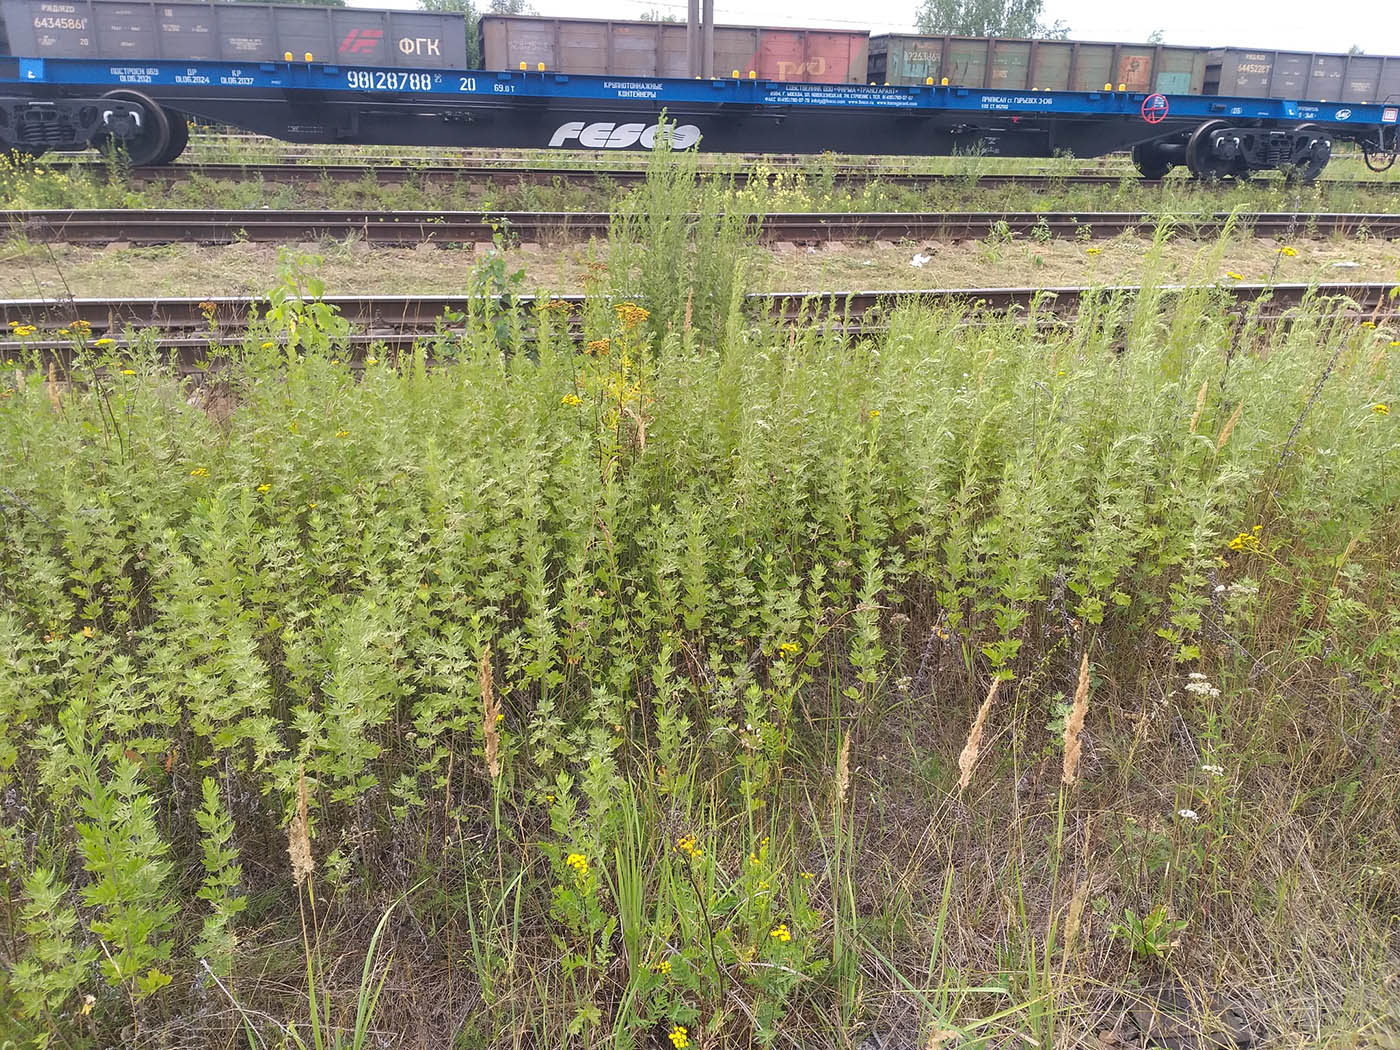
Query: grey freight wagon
[(114, 31)]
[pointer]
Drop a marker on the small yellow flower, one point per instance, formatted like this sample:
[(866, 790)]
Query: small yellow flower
[(806, 875), (268, 344), (88, 632), (874, 413), (1395, 342), (264, 487), (663, 967), (579, 863), (571, 400), (105, 341), (335, 360), (81, 325), (788, 649), (781, 933), (597, 346), (64, 331), (1289, 251), (686, 844), (342, 433), (1247, 541), (199, 472), (311, 506), (1381, 409), (631, 315), (1234, 276), (1368, 324), (679, 1039), (128, 371), (1092, 251), (371, 360), (89, 1001)]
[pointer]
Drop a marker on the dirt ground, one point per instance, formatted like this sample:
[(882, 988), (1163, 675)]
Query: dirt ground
[(51, 271)]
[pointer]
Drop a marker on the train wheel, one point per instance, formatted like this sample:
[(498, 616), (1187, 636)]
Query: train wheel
[(151, 138), (1309, 166), (1201, 156), (1149, 161), (179, 137)]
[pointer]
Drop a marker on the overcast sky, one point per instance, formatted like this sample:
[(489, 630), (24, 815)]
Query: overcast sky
[(1300, 25)]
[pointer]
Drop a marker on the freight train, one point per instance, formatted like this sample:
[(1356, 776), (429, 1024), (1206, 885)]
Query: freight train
[(130, 72), (658, 49)]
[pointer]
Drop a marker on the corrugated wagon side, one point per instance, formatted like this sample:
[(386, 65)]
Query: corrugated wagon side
[(1036, 65), (118, 30), (1303, 74), (658, 49)]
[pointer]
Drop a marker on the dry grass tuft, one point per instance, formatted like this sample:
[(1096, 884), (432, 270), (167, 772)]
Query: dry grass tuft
[(968, 759)]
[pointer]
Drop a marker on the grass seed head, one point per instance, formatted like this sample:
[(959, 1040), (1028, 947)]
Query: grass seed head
[(843, 770), (490, 715), (1228, 428), (1074, 724), (1200, 404), (968, 759), (299, 835)]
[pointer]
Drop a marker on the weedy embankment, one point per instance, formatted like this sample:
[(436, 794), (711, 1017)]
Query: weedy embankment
[(717, 683)]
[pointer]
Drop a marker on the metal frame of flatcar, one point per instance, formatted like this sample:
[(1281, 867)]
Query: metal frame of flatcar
[(318, 102)]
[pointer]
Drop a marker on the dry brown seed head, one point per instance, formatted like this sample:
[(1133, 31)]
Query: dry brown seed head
[(1229, 426), (968, 759), (1200, 404), (489, 711), (1074, 724), (299, 835), (843, 770)]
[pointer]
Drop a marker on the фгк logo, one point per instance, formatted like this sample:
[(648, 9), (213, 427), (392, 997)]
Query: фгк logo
[(361, 41), (607, 135)]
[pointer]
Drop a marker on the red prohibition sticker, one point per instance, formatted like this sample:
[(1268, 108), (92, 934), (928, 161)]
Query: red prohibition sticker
[(1154, 108)]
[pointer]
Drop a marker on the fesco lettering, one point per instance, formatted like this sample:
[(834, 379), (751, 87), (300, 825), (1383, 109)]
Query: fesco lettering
[(607, 135)]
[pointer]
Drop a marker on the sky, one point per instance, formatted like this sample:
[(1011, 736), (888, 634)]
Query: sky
[(1294, 25)]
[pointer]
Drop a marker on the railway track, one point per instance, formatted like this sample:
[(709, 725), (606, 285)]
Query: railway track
[(397, 228), (439, 174), (190, 327)]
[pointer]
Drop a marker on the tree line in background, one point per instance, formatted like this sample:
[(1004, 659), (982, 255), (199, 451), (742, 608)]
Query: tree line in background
[(1013, 18)]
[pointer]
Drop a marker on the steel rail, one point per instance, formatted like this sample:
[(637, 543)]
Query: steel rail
[(397, 228), (214, 319), (438, 173)]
